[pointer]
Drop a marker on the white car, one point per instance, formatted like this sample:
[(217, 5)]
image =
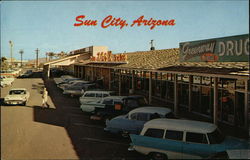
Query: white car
[(17, 96), (6, 81)]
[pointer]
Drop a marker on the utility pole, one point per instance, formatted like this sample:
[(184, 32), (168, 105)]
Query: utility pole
[(21, 52), (11, 50), (152, 47), (37, 57)]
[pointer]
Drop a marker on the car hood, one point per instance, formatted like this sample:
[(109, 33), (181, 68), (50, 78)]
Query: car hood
[(236, 143), (15, 97)]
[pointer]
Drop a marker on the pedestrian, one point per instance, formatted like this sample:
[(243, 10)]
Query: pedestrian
[(45, 98)]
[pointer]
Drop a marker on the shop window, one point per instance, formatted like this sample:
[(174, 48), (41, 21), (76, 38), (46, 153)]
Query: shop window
[(170, 91), (239, 109), (183, 93), (164, 76), (226, 106), (185, 78), (240, 85), (205, 81), (197, 79), (179, 77)]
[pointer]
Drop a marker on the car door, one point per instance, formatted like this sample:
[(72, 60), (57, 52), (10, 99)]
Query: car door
[(197, 145)]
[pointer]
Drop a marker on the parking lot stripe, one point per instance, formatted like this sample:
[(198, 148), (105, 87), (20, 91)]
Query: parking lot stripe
[(87, 125), (104, 141)]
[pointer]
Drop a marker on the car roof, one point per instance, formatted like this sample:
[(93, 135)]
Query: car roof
[(115, 97), (97, 91), (18, 89), (159, 110), (181, 125)]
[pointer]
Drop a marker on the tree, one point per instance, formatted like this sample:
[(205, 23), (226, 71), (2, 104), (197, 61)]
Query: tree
[(4, 65)]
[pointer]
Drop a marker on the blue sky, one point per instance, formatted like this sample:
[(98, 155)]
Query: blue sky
[(49, 26)]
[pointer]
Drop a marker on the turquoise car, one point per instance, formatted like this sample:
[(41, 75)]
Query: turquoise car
[(180, 139), (133, 121)]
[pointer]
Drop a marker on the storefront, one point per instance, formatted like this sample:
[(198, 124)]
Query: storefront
[(214, 86)]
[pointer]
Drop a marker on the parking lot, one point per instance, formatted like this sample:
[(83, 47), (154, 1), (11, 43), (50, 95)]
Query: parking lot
[(62, 131)]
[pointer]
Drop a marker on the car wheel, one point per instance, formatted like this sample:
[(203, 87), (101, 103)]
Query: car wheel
[(157, 156), (24, 103)]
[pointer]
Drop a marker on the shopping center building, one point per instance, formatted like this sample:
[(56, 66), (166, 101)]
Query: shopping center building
[(205, 80)]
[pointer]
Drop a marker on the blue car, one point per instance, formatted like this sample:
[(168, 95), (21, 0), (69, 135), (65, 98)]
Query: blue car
[(133, 121), (180, 139)]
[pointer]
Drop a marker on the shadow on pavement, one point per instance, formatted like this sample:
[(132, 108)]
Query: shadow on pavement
[(86, 147)]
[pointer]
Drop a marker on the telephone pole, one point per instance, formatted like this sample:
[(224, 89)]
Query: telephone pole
[(152, 46), (11, 50), (21, 52), (37, 57)]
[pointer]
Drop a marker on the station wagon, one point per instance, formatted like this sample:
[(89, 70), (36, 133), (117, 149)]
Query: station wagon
[(174, 138)]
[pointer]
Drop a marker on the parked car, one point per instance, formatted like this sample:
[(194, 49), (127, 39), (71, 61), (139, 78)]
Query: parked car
[(6, 81), (26, 74), (231, 154), (132, 123), (106, 99), (114, 108), (17, 96), (176, 138), (67, 80), (73, 83), (62, 78), (94, 96), (78, 90)]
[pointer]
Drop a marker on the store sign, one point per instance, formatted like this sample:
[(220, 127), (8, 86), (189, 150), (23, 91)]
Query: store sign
[(108, 57), (226, 49)]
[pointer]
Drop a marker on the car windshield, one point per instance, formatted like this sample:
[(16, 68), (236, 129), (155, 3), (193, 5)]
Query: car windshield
[(141, 102), (216, 137), (13, 92)]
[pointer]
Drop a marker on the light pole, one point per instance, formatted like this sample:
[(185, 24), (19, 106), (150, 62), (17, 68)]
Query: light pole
[(21, 52), (37, 57), (11, 50)]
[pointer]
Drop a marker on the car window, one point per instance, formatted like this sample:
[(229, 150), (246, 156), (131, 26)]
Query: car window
[(215, 137), (99, 95), (142, 117), (196, 137), (89, 95), (105, 95), (142, 101), (108, 101), (175, 135), (156, 133), (17, 92), (133, 116), (131, 103)]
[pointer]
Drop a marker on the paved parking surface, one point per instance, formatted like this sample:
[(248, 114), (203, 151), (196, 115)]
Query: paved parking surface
[(61, 132)]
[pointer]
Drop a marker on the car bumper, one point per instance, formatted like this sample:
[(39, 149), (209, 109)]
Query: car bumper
[(14, 102)]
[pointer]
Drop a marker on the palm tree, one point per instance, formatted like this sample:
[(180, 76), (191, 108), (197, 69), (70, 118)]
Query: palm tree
[(51, 55), (21, 53)]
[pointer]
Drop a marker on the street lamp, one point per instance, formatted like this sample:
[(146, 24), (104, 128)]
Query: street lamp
[(21, 52), (11, 48)]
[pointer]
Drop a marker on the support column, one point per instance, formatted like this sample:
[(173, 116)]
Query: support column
[(150, 88), (120, 83), (215, 100), (92, 75), (190, 93), (175, 95), (246, 106), (48, 71), (133, 82), (110, 80)]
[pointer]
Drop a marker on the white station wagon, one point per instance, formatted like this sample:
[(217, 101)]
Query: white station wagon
[(17, 96), (180, 139)]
